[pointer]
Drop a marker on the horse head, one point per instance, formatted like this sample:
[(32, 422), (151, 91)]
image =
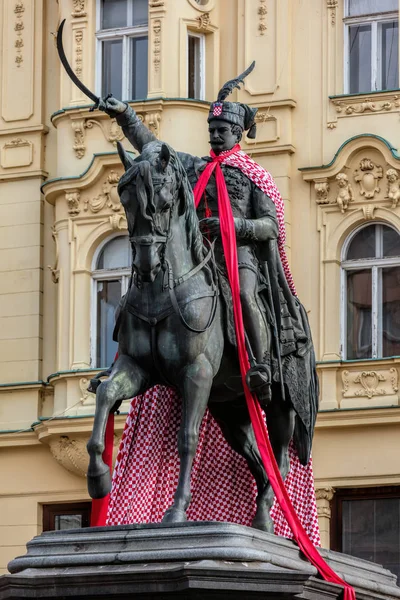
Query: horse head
[(149, 190)]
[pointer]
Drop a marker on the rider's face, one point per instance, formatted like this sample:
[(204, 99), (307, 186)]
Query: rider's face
[(221, 136)]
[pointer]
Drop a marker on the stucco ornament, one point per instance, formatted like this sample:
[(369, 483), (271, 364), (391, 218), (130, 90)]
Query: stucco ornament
[(73, 199), (108, 197), (367, 177), (345, 193), (368, 384), (393, 192), (322, 191)]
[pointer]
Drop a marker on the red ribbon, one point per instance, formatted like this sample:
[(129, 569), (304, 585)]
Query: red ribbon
[(228, 236), (98, 515)]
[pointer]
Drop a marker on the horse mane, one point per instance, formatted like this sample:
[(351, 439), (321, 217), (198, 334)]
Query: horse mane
[(150, 153)]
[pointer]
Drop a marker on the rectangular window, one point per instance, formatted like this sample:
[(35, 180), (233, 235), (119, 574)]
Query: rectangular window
[(196, 71), (372, 45), (66, 516), (122, 34), (366, 524)]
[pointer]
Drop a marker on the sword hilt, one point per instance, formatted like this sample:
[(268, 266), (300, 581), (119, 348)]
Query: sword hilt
[(96, 104)]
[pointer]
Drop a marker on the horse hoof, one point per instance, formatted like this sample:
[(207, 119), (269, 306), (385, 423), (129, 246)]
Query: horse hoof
[(266, 525), (99, 485), (174, 515)]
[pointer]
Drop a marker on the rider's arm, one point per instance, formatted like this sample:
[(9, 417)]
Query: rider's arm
[(134, 130), (264, 226)]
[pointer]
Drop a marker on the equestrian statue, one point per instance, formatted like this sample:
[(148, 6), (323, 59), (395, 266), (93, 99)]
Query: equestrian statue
[(175, 325)]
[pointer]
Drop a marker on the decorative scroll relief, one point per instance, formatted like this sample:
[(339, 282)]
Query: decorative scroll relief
[(78, 37), (322, 190), (368, 384), (108, 197), (55, 271), (267, 128), (332, 6), (112, 132), (262, 15), (71, 452), (263, 43), (19, 27), (79, 9), (351, 106), (324, 497), (73, 201), (17, 60), (157, 44), (203, 22), (16, 153), (367, 176)]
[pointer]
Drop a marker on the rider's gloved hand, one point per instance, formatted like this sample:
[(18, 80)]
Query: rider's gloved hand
[(112, 106)]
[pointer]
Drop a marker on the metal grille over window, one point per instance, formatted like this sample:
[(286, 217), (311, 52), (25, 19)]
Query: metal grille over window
[(111, 279), (371, 294), (122, 36), (372, 45)]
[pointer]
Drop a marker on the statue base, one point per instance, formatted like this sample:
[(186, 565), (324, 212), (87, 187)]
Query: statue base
[(189, 561)]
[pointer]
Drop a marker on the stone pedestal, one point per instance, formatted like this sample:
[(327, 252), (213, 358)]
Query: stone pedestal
[(204, 561)]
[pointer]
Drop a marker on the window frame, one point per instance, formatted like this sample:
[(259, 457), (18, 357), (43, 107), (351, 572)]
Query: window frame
[(202, 62), (376, 265), (362, 493), (117, 33), (51, 511), (103, 275), (376, 64)]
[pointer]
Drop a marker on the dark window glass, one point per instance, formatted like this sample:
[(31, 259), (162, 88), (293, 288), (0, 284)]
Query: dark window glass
[(140, 14), (139, 54), (390, 55), (366, 524), (116, 254), (112, 68), (359, 314), (391, 242), (194, 58), (114, 14), (108, 297), (66, 516), (362, 245), (391, 311), (371, 7), (360, 58)]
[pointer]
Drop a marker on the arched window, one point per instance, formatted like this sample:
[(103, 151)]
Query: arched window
[(371, 293), (111, 272)]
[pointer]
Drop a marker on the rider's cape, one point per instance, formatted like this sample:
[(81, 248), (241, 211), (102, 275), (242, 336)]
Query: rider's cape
[(293, 345)]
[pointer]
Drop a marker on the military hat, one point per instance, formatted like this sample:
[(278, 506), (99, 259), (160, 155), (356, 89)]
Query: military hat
[(234, 112)]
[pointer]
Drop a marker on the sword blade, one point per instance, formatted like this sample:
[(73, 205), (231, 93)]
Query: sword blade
[(73, 76)]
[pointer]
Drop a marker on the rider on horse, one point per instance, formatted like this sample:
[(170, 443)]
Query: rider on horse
[(277, 331)]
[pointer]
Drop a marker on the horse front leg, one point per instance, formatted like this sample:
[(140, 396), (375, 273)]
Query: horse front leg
[(195, 388), (126, 381)]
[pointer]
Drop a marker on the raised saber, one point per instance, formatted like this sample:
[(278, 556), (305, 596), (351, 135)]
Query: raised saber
[(72, 75)]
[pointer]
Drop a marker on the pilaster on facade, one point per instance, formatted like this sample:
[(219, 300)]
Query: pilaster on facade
[(324, 498)]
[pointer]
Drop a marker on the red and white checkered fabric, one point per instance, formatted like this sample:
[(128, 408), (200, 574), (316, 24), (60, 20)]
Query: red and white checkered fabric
[(263, 180), (146, 472)]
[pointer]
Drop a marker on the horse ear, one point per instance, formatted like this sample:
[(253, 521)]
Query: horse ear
[(126, 160), (165, 156)]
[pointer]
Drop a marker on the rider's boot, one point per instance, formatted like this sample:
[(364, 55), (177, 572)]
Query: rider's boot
[(258, 380)]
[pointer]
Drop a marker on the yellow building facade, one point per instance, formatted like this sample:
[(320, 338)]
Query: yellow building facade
[(327, 92)]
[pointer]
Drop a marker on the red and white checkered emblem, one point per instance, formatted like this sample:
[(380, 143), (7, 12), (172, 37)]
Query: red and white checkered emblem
[(217, 109)]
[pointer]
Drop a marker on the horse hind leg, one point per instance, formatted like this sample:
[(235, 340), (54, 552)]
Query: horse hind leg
[(195, 389), (126, 381), (281, 421), (235, 424)]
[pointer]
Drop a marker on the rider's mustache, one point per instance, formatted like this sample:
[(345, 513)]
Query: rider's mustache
[(216, 141)]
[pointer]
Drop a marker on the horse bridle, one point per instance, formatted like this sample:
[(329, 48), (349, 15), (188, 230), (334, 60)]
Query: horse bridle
[(172, 283)]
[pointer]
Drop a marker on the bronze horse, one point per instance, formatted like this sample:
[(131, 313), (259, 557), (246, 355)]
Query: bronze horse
[(170, 330)]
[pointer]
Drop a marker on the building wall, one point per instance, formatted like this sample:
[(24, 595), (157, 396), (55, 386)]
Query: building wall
[(48, 241)]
